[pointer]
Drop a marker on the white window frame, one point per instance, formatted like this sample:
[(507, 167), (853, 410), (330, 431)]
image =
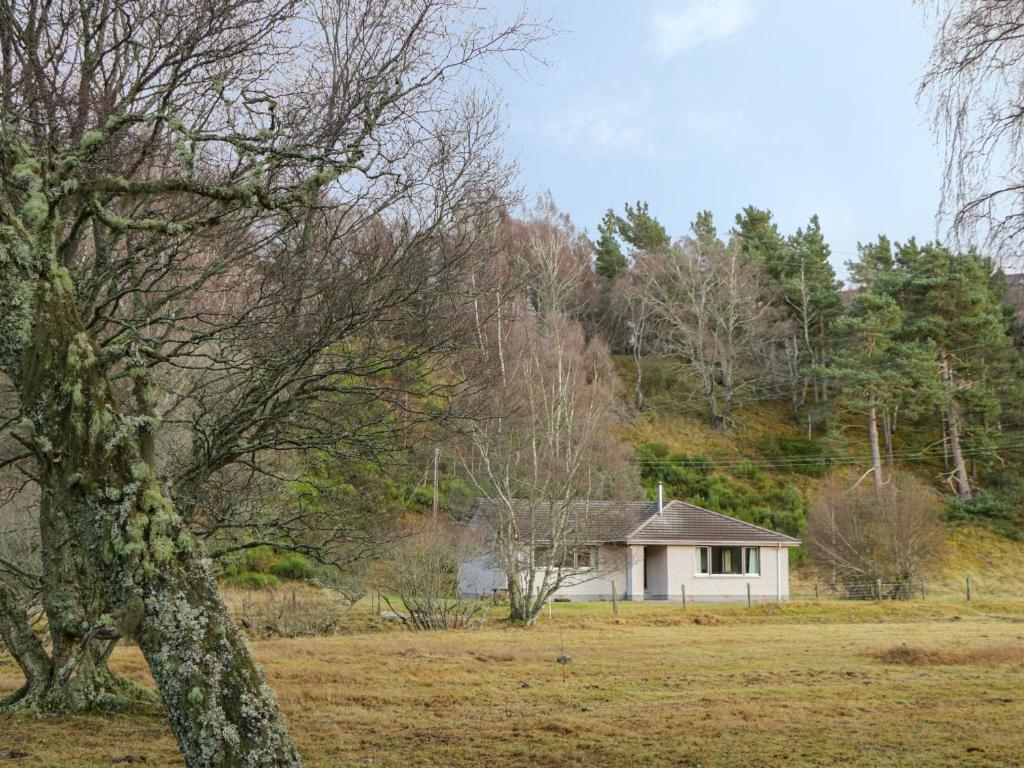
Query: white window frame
[(592, 550), (743, 563), (574, 568)]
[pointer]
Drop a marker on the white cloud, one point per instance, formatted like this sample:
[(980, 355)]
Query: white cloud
[(702, 21), (602, 121)]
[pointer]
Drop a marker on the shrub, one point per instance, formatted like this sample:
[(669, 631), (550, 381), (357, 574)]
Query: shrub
[(293, 566), (251, 580), (422, 571), (257, 559), (999, 512), (745, 492), (861, 537), (802, 455)]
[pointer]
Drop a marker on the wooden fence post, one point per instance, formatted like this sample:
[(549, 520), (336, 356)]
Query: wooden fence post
[(968, 587), (615, 599), (749, 602), (923, 594), (684, 597), (878, 585), (817, 593)]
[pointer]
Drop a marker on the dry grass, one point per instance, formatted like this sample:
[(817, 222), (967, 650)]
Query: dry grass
[(994, 563), (719, 686), (915, 656)]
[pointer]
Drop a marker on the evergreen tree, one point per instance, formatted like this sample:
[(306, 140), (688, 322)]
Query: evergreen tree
[(705, 232), (643, 232), (877, 370), (875, 265), (799, 268), (759, 236), (609, 261), (957, 303), (811, 291)]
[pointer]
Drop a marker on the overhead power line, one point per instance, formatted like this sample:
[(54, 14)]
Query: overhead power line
[(823, 461)]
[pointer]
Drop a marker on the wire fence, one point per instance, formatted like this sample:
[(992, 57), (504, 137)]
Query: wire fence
[(916, 589)]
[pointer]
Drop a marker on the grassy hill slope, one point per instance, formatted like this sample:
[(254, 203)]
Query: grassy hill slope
[(766, 470)]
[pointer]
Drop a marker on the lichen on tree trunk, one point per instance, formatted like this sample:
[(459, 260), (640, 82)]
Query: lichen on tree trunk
[(145, 571)]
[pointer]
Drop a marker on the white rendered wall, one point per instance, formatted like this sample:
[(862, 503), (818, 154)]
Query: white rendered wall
[(482, 576), (625, 567), (683, 570)]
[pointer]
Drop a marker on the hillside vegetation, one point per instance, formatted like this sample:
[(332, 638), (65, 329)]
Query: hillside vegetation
[(766, 470)]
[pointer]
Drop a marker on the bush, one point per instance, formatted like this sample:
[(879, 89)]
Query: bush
[(998, 512), (251, 580), (804, 456), (422, 571), (293, 566), (745, 492), (861, 537), (257, 559), (262, 567)]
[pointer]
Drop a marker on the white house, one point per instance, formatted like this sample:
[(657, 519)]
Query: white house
[(651, 551)]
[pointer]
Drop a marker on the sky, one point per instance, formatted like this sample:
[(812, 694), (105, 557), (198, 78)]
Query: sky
[(798, 106)]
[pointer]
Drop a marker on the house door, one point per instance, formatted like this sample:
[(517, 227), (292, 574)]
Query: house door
[(656, 572)]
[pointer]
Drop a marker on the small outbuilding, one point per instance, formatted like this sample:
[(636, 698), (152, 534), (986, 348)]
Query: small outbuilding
[(649, 551)]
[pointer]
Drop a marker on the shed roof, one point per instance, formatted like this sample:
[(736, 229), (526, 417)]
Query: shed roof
[(600, 522)]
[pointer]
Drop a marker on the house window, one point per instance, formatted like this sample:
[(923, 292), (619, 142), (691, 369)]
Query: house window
[(752, 561), (586, 557), (728, 561), (577, 558)]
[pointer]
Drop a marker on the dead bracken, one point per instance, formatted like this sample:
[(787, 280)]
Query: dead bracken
[(915, 656)]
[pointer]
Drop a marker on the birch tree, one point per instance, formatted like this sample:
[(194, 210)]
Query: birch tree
[(972, 87), (542, 449), (709, 309), (861, 537)]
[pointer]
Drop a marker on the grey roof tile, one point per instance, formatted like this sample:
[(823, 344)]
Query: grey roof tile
[(596, 522), (684, 522)]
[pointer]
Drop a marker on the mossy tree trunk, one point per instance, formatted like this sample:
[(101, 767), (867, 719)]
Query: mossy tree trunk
[(27, 649), (140, 571)]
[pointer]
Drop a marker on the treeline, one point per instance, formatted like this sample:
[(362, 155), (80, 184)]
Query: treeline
[(923, 341)]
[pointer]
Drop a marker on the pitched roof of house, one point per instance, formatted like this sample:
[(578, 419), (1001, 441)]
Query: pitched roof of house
[(688, 523), (599, 522)]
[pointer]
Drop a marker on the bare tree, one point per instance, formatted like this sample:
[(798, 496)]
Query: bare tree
[(634, 303), (974, 86), (546, 450), (196, 205), (861, 536), (422, 571), (708, 308), (553, 259)]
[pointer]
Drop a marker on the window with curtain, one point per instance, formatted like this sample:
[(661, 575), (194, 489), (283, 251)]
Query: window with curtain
[(728, 561)]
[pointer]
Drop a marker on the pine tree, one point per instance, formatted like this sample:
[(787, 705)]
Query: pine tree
[(609, 261), (876, 369), (759, 236), (956, 302), (811, 292), (800, 269), (643, 232)]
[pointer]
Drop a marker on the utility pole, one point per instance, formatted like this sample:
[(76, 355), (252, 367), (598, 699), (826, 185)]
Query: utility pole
[(437, 456)]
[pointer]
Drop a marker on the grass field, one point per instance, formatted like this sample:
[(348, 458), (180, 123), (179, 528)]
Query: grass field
[(916, 684)]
